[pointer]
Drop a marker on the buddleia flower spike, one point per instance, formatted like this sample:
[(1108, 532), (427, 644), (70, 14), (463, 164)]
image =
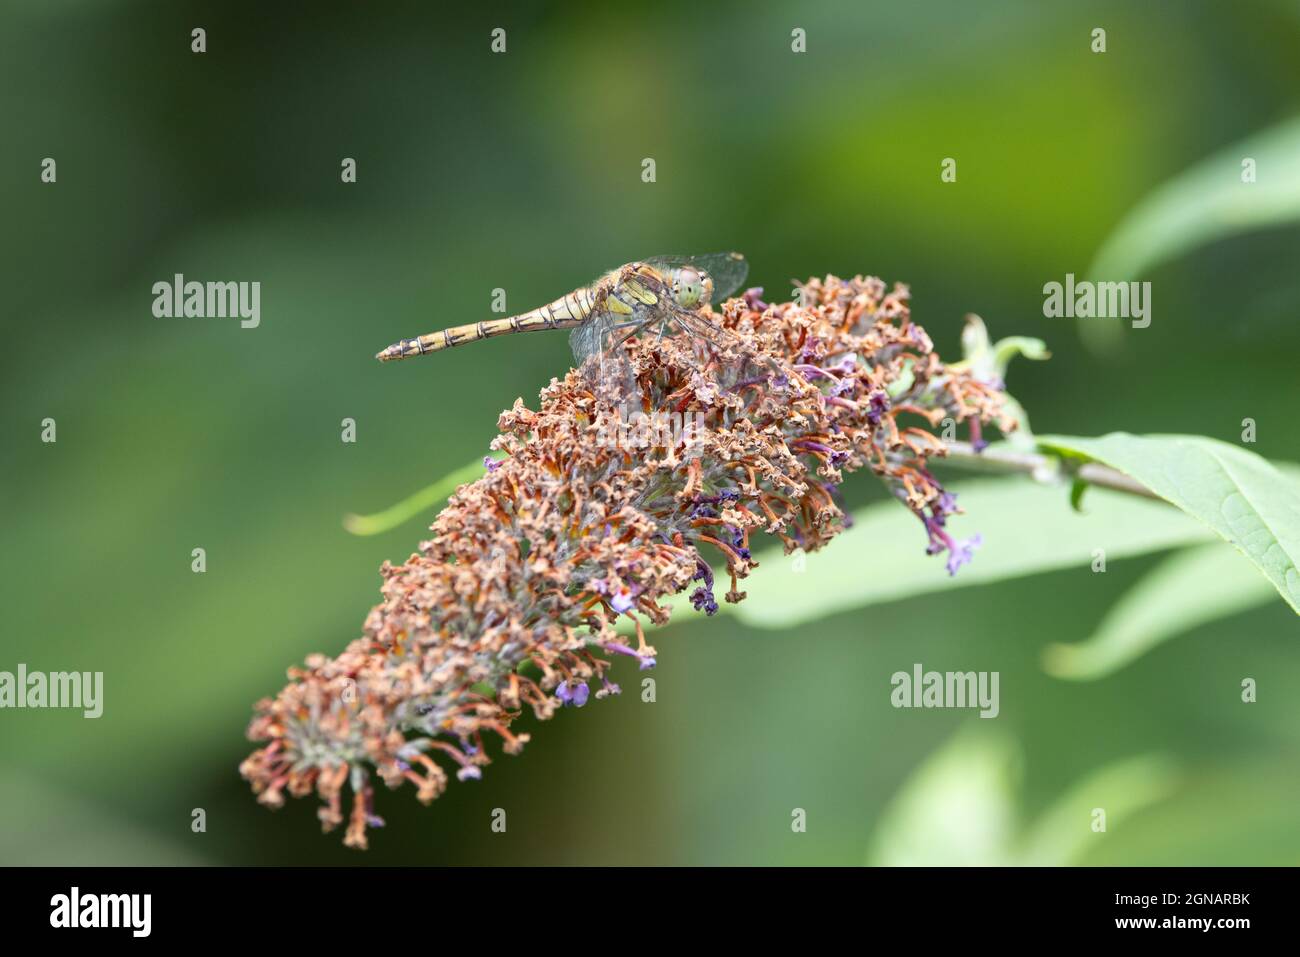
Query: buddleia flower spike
[(514, 601)]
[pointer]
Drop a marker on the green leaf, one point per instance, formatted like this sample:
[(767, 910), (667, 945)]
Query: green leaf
[(1063, 834), (1190, 588), (1240, 496), (958, 809), (410, 507), (1006, 349), (1026, 527), (1208, 202), (963, 807), (1205, 203)]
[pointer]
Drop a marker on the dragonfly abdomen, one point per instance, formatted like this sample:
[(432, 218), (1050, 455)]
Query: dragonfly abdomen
[(564, 313)]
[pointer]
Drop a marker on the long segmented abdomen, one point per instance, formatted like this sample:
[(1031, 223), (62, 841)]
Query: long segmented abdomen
[(564, 313)]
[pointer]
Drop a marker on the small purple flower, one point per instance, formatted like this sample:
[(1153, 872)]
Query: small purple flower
[(878, 405), (621, 597), (622, 649), (490, 463), (374, 820), (753, 300), (702, 600), (809, 371), (469, 772), (573, 692), (703, 572), (976, 439), (723, 497), (959, 553), (738, 542), (941, 508), (963, 552)]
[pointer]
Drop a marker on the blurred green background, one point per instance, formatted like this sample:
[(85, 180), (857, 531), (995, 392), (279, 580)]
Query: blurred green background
[(522, 171)]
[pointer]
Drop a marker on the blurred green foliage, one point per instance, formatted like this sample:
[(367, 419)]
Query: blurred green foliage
[(522, 171)]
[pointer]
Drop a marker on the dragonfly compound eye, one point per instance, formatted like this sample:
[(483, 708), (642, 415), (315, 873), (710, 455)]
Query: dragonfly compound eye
[(689, 287)]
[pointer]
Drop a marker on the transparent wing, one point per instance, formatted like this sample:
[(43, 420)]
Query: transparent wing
[(585, 340), (599, 356), (727, 269)]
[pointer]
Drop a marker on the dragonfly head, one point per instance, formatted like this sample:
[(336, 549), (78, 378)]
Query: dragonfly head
[(692, 287)]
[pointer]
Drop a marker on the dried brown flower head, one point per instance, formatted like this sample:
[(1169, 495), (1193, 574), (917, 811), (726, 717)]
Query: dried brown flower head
[(514, 599)]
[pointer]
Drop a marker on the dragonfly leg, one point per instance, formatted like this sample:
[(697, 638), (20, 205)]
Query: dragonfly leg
[(632, 324), (663, 327)]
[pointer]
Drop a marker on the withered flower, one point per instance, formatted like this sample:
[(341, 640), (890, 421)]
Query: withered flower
[(514, 600)]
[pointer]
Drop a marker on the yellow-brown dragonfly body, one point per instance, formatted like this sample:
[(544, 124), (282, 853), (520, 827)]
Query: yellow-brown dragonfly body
[(639, 294), (566, 312)]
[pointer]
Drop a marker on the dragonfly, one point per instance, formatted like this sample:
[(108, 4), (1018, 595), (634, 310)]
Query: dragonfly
[(659, 295)]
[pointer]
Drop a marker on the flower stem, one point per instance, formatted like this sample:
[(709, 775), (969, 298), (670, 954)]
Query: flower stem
[(1042, 468)]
